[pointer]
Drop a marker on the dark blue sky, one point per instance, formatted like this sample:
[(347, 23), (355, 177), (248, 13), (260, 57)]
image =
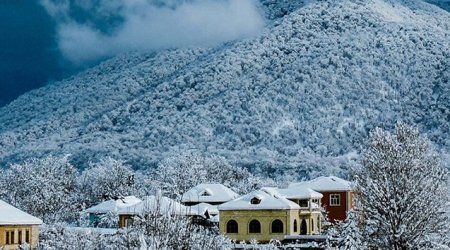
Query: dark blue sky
[(29, 57)]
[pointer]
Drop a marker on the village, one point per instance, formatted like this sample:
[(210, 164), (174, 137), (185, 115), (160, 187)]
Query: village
[(293, 215)]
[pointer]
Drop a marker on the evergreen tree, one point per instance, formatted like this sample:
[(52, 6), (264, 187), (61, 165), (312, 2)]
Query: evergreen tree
[(351, 236)]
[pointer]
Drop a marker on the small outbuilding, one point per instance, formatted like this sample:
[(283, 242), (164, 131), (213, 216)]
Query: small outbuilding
[(110, 207), (153, 205), (17, 227)]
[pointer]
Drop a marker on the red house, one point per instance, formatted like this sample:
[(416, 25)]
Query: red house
[(337, 195)]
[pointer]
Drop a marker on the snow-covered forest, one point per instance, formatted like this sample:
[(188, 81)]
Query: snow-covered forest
[(304, 93)]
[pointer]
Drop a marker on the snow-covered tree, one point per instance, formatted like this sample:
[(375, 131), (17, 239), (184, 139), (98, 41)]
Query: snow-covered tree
[(43, 187), (402, 191), (176, 175), (350, 234), (107, 179)]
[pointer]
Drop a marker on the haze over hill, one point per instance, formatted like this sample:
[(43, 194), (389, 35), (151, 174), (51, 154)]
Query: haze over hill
[(299, 97)]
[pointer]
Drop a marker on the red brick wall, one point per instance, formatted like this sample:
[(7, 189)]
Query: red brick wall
[(335, 212)]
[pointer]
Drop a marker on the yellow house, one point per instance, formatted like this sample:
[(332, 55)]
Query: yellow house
[(309, 212), (262, 215), (17, 227)]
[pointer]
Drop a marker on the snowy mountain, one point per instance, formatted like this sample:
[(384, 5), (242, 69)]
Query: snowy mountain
[(304, 93)]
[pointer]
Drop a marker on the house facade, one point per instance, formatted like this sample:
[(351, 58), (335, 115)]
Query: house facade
[(310, 214), (17, 227), (265, 215), (337, 195)]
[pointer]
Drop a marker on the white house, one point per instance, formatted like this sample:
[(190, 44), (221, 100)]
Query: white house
[(17, 227), (214, 194)]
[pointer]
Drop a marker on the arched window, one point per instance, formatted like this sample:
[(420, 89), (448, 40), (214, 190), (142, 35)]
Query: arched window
[(312, 224), (303, 227), (277, 226), (295, 225), (232, 227), (254, 227)]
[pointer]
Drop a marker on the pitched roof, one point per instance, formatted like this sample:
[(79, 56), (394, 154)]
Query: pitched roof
[(201, 209), (10, 215), (209, 193), (266, 198), (114, 205), (156, 204), (325, 183), (299, 193)]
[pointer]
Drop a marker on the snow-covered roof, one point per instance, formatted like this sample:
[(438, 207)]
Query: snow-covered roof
[(209, 193), (215, 218), (324, 183), (10, 215), (201, 208), (300, 193), (265, 198), (114, 205), (158, 204)]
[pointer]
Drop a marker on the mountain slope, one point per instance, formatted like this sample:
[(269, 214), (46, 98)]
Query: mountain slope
[(304, 93)]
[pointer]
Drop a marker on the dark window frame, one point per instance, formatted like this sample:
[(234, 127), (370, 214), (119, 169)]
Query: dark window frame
[(254, 227), (232, 227), (277, 226)]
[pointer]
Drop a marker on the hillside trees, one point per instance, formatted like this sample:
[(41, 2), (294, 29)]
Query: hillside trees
[(402, 191)]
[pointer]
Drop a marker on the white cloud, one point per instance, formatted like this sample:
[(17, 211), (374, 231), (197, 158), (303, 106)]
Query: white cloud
[(153, 25)]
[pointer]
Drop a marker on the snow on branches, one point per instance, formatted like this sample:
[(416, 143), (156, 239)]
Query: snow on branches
[(402, 193)]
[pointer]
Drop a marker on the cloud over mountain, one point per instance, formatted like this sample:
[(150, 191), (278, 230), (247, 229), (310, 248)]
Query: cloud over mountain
[(92, 29)]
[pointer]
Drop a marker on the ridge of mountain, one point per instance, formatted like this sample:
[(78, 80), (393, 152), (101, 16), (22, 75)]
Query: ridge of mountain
[(298, 99)]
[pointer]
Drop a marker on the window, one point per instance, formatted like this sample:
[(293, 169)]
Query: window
[(205, 193), (27, 236), (303, 227), (335, 199), (316, 201), (312, 225), (303, 203), (295, 225), (232, 227), (129, 222), (255, 201), (7, 238), (254, 227), (277, 226), (20, 237)]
